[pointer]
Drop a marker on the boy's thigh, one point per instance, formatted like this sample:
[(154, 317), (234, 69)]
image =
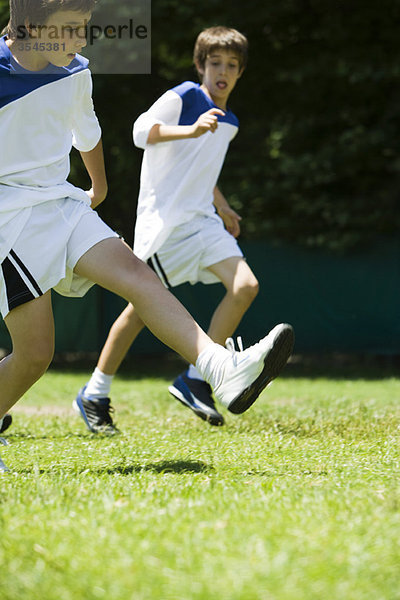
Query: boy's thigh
[(234, 273), (31, 325), (112, 265)]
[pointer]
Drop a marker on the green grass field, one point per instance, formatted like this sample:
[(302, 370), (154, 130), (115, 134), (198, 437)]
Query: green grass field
[(298, 499)]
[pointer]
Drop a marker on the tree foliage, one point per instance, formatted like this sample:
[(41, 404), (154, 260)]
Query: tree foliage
[(316, 160)]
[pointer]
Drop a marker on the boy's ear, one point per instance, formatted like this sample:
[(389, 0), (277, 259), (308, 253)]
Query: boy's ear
[(241, 72), (31, 29), (199, 68)]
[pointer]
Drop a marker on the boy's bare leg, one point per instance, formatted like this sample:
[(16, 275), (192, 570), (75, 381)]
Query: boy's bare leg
[(236, 384), (241, 289), (112, 265), (120, 338), (31, 329)]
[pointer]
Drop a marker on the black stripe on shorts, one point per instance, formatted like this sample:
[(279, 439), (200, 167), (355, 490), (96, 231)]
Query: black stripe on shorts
[(26, 272), (17, 291), (154, 263)]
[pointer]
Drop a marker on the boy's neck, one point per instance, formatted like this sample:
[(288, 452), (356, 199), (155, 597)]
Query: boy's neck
[(220, 102), (28, 60)]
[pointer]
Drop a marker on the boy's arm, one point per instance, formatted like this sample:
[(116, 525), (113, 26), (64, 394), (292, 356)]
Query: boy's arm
[(208, 121), (94, 163), (230, 218)]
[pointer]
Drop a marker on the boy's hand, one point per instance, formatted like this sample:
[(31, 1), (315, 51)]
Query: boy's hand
[(96, 199), (208, 121), (231, 220), (94, 163)]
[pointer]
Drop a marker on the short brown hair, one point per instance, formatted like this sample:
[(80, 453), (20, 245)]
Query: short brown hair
[(36, 12), (220, 38)]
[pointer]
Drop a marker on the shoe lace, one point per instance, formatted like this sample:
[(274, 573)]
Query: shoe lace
[(106, 412), (230, 344)]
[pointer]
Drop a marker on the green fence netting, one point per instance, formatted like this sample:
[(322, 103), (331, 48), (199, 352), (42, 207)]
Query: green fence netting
[(346, 304)]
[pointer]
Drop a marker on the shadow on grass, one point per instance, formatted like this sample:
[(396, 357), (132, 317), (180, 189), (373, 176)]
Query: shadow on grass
[(15, 437), (177, 467), (166, 466), (303, 472)]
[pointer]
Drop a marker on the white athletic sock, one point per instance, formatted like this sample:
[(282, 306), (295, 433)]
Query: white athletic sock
[(209, 363), (99, 385), (193, 373), (1, 423)]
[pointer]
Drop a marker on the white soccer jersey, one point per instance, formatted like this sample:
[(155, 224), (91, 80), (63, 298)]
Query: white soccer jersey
[(42, 115), (178, 177)]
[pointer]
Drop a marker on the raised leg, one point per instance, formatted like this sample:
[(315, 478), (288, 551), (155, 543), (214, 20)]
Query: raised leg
[(112, 265)]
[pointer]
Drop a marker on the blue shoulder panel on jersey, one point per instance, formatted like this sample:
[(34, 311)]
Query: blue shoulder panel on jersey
[(16, 82), (195, 102)]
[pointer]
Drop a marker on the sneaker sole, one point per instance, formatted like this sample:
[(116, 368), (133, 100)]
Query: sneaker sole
[(217, 421), (81, 412), (274, 362)]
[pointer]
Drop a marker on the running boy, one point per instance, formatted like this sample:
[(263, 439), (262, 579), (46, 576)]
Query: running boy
[(185, 136), (51, 237)]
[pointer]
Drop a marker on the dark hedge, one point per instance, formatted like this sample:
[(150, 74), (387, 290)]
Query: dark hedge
[(316, 160)]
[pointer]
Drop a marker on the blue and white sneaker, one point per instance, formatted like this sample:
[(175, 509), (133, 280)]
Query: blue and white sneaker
[(196, 394), (96, 413), (5, 423), (3, 468)]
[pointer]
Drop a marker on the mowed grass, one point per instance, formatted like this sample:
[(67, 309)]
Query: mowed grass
[(298, 499)]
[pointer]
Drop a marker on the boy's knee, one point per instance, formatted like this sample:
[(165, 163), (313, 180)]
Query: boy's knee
[(255, 287), (249, 290)]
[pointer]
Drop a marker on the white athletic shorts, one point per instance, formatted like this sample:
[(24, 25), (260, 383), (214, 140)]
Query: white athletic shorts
[(56, 236), (191, 249)]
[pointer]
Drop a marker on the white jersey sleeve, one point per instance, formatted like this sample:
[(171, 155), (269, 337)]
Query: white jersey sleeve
[(41, 115), (86, 131), (166, 111)]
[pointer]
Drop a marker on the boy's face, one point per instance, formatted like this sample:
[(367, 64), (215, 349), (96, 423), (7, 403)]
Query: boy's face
[(220, 74), (61, 37)]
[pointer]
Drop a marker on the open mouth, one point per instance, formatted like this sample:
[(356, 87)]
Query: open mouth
[(222, 85)]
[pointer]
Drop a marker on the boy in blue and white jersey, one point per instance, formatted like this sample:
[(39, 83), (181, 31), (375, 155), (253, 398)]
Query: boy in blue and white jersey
[(185, 136), (49, 235)]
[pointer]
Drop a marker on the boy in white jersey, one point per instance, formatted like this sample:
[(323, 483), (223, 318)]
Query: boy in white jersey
[(185, 136), (51, 237)]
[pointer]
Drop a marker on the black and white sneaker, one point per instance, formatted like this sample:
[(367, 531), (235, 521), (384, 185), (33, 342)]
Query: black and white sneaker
[(196, 394), (5, 424), (96, 413)]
